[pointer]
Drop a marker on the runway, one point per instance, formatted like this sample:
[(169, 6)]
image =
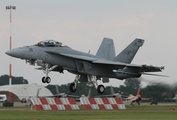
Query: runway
[(148, 104)]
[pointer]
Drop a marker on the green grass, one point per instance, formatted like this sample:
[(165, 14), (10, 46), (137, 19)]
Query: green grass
[(131, 113)]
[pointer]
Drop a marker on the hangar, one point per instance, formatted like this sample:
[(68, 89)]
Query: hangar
[(26, 91)]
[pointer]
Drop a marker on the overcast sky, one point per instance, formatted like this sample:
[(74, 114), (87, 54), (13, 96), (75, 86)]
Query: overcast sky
[(82, 24)]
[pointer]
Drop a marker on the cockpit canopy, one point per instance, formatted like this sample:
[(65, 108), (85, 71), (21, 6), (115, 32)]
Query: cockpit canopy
[(50, 43)]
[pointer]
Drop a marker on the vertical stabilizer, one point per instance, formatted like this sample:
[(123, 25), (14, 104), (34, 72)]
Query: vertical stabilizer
[(138, 92), (112, 90), (175, 97), (89, 93), (106, 49), (57, 90), (37, 95), (127, 55)]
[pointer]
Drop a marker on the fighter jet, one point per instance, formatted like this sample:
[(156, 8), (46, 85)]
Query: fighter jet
[(175, 98), (63, 95), (53, 55), (3, 97), (58, 94), (135, 99)]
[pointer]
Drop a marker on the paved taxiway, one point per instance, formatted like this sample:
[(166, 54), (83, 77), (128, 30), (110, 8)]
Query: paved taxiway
[(148, 104), (19, 104)]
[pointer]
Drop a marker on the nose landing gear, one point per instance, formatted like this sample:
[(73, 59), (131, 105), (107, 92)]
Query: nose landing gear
[(46, 71), (46, 79)]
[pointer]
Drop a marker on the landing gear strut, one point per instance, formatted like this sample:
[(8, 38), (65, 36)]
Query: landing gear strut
[(91, 78), (100, 88), (46, 71), (73, 86)]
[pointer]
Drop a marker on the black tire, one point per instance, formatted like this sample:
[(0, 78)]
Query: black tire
[(100, 89), (48, 80), (43, 80), (72, 87)]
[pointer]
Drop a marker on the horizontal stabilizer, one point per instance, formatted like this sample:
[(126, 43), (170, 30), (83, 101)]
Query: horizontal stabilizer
[(112, 90), (57, 90), (154, 74)]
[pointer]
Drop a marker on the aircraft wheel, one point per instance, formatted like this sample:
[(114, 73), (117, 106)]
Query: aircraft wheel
[(100, 89), (72, 87), (43, 80), (48, 80)]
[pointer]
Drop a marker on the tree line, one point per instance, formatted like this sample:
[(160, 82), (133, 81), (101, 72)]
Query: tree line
[(157, 91), (4, 80)]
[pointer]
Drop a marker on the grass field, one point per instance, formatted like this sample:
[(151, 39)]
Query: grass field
[(131, 113)]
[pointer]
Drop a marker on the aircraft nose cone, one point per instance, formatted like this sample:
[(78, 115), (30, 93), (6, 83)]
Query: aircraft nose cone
[(8, 52), (14, 52)]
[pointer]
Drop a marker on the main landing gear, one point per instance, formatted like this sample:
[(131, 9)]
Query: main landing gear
[(72, 87), (91, 78), (100, 89)]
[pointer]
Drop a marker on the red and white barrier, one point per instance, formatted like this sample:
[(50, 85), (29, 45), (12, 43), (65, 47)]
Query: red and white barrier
[(102, 103), (54, 104)]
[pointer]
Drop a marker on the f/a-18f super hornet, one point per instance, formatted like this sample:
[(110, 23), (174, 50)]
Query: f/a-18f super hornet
[(52, 55)]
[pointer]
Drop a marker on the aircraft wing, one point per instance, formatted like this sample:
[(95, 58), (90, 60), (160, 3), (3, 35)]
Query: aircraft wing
[(114, 64), (130, 100), (81, 57), (73, 96), (52, 96), (89, 58), (170, 98), (102, 96), (144, 68), (132, 67), (61, 96), (146, 98), (108, 62)]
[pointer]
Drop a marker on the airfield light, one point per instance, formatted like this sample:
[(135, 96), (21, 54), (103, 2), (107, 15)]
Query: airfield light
[(10, 7)]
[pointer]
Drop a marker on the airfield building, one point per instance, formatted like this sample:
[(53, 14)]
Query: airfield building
[(24, 91)]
